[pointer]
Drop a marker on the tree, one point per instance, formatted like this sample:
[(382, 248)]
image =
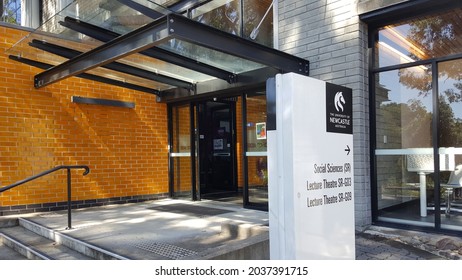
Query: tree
[(11, 11)]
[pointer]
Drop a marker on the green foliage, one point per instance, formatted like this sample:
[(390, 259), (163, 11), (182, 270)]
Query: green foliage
[(436, 36), (11, 11)]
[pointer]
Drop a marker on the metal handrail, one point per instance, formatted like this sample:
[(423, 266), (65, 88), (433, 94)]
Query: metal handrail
[(68, 167)]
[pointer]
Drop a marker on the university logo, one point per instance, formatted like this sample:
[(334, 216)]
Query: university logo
[(339, 109), (339, 101)]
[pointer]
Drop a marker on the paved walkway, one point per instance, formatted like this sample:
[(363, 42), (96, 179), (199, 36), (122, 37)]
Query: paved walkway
[(157, 229), (381, 243), (373, 247), (163, 229)]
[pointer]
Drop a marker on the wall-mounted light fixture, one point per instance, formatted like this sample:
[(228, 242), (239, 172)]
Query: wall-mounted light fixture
[(103, 102)]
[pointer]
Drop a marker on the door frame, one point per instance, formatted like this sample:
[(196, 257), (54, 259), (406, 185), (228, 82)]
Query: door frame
[(195, 191), (232, 114)]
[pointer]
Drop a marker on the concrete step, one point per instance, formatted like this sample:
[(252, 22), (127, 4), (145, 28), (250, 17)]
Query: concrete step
[(37, 247), (35, 241), (6, 253), (84, 248)]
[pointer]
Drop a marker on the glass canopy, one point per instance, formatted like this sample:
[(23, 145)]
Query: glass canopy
[(149, 46)]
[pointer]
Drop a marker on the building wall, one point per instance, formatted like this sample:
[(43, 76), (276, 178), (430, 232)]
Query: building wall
[(330, 35), (126, 149), (365, 6)]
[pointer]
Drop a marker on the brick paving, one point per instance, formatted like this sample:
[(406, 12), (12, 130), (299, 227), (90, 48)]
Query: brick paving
[(372, 247)]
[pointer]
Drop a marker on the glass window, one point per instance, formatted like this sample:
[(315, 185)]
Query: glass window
[(450, 141), (404, 144), (221, 14), (408, 189), (258, 21), (11, 11), (427, 37), (251, 19), (256, 154), (181, 152), (21, 12)]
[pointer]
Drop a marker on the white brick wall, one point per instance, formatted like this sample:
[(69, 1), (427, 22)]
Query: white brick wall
[(329, 34)]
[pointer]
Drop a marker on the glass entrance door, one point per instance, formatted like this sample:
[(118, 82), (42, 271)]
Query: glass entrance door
[(217, 157), (182, 174), (256, 153), (218, 150)]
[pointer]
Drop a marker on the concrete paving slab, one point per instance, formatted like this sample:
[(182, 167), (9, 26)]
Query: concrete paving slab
[(174, 229), (159, 229)]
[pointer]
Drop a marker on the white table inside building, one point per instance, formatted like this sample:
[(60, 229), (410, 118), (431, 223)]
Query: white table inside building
[(420, 160)]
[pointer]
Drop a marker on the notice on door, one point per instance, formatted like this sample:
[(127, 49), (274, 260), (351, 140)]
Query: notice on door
[(311, 178)]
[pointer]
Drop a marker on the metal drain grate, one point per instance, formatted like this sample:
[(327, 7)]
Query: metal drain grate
[(164, 249)]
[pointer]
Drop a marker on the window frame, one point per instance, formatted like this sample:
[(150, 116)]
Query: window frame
[(378, 20)]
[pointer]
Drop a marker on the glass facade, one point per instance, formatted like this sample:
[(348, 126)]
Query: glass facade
[(11, 11), (256, 154), (253, 20), (229, 140), (180, 156), (418, 113), (26, 13)]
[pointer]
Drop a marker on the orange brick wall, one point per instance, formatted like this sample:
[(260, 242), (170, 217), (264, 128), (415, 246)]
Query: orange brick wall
[(126, 149)]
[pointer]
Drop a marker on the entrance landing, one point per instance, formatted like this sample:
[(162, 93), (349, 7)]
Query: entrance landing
[(166, 229)]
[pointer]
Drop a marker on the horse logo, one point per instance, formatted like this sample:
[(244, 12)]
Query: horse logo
[(339, 101)]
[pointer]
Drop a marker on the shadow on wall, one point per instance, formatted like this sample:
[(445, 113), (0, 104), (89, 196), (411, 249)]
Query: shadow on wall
[(126, 149)]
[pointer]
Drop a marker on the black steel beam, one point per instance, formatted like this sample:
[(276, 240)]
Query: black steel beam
[(178, 7), (164, 29), (200, 34), (86, 76), (115, 66), (96, 32), (142, 9), (105, 35), (132, 42)]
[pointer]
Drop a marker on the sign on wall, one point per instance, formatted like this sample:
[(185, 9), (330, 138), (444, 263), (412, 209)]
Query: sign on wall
[(310, 161)]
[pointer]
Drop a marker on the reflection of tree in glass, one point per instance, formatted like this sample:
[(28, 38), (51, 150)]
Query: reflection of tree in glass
[(226, 18), (11, 11), (254, 13), (452, 71), (416, 78), (435, 37), (407, 125), (449, 129)]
